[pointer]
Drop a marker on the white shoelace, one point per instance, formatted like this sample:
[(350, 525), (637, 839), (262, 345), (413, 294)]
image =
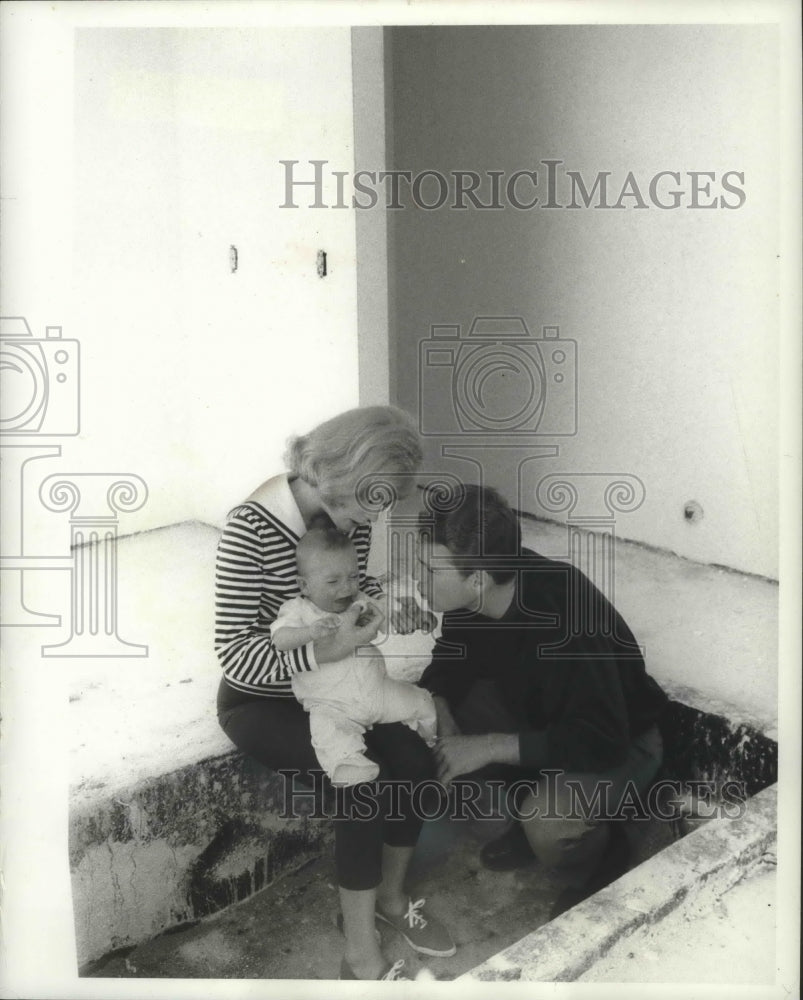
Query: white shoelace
[(394, 972), (413, 916)]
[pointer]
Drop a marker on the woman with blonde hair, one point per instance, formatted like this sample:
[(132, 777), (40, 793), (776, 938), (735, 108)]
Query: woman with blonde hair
[(330, 472)]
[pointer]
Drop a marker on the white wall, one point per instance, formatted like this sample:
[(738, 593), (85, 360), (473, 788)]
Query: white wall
[(370, 153), (193, 376), (180, 134), (675, 312)]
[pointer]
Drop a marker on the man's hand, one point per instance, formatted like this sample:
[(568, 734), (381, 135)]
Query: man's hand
[(456, 755), (404, 618), (408, 616)]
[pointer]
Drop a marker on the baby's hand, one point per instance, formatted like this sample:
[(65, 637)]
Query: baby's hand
[(349, 636), (427, 733), (324, 626)]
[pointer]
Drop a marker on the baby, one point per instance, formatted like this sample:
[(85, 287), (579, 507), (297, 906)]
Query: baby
[(345, 698)]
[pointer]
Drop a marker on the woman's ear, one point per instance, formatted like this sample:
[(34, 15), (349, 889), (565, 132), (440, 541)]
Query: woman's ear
[(302, 585)]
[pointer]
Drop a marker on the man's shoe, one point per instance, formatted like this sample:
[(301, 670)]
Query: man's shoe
[(612, 865), (508, 852), (423, 932), (389, 972)]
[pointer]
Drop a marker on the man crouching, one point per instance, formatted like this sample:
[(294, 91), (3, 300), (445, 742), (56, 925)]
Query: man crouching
[(536, 679)]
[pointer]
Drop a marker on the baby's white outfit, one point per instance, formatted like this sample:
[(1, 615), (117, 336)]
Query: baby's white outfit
[(347, 697)]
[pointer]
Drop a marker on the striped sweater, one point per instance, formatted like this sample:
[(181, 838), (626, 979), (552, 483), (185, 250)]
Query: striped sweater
[(255, 574)]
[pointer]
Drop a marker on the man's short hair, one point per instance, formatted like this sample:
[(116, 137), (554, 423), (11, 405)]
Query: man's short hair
[(481, 528)]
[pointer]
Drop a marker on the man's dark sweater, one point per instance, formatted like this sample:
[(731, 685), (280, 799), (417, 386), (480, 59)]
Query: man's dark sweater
[(577, 705)]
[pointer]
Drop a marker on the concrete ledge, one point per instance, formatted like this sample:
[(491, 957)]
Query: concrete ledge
[(181, 846), (167, 823), (704, 743), (190, 842), (709, 861)]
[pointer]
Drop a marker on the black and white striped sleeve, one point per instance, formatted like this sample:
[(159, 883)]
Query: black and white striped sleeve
[(361, 537), (255, 575)]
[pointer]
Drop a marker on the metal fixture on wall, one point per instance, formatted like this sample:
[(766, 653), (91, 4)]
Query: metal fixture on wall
[(693, 512)]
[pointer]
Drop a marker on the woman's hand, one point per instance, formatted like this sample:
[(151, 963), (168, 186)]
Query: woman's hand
[(349, 636)]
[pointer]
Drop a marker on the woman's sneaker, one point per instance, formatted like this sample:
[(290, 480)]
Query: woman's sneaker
[(423, 932), (390, 972)]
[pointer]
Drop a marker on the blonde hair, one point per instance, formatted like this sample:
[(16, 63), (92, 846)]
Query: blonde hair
[(363, 442)]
